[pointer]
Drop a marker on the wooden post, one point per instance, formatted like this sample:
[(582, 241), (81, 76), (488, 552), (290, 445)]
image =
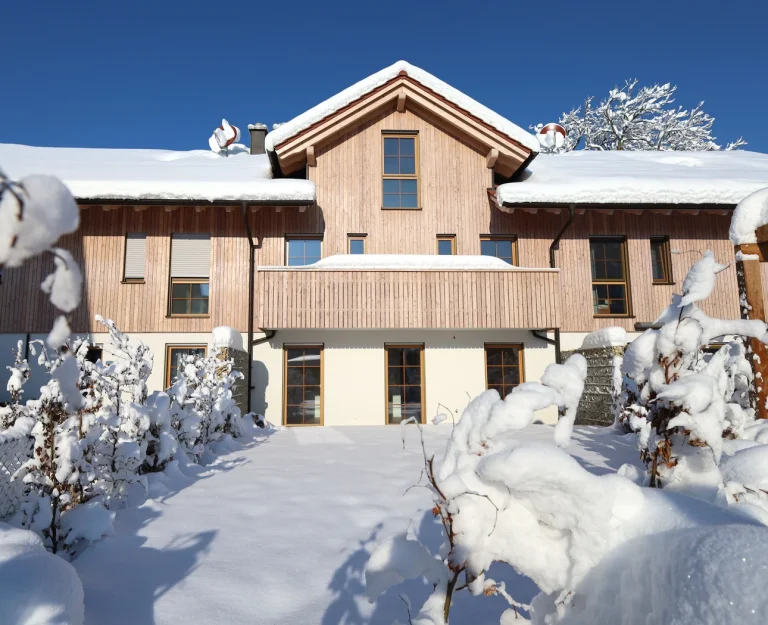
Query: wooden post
[(751, 307)]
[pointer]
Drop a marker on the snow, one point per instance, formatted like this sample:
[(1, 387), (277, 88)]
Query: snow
[(751, 213), (643, 177), (280, 531), (36, 587), (349, 95), (613, 336), (700, 280), (59, 333), (135, 175), (409, 262), (224, 336)]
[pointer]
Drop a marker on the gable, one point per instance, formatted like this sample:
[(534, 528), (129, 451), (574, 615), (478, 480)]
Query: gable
[(400, 87)]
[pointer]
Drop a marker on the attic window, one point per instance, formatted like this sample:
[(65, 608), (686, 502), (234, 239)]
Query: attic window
[(400, 183)]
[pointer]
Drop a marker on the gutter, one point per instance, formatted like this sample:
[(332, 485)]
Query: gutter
[(251, 270), (134, 202), (555, 341), (268, 336)]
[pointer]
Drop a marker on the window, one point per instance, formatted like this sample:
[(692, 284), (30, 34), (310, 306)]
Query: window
[(135, 257), (610, 283), (446, 245), (94, 354), (176, 358), (661, 260), (401, 180), (302, 251), (190, 270), (405, 387), (303, 385), (503, 247), (503, 367), (356, 244)]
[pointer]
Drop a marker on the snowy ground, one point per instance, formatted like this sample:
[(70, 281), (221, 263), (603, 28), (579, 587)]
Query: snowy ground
[(280, 531)]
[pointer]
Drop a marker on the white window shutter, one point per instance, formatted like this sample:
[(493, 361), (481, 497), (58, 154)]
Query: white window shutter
[(135, 255), (190, 255)]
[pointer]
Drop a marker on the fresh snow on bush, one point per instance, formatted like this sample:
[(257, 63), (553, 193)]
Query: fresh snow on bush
[(750, 214), (224, 336)]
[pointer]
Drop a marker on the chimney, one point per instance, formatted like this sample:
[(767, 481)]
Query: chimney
[(258, 134)]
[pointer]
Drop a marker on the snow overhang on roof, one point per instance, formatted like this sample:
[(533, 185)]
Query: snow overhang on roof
[(95, 174), (637, 178), (401, 85)]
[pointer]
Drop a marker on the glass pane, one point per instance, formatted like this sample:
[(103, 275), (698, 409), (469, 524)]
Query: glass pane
[(511, 375), (413, 394), (408, 201), (407, 147), (312, 248), (597, 251), (295, 375), (488, 248), (311, 395), (312, 376), (356, 246), (395, 356), (391, 146), (618, 307), (413, 410), (294, 415), (445, 247), (396, 395), (614, 270), (494, 375), (412, 356), (391, 186), (295, 355), (497, 388), (180, 307), (504, 249), (408, 186), (312, 415), (295, 247), (407, 165), (198, 352), (599, 270), (613, 250), (616, 291), (312, 356), (394, 413), (199, 290), (199, 307), (511, 357), (493, 356), (395, 375), (294, 396), (391, 201), (391, 165), (180, 291), (413, 375)]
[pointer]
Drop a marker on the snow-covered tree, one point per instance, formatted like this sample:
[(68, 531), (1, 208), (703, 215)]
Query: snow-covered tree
[(20, 374), (639, 119)]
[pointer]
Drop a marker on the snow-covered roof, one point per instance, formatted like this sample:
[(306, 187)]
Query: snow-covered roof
[(135, 175), (358, 90), (621, 177), (408, 262)]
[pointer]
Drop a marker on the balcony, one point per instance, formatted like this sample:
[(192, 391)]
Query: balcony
[(440, 295)]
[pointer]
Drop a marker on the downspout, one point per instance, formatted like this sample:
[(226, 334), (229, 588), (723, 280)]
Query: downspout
[(546, 339), (556, 241), (268, 336), (251, 263)]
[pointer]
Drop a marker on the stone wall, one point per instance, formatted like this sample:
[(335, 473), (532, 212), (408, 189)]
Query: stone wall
[(596, 405), (240, 360)]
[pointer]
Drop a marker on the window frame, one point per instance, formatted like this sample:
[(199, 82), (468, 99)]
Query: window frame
[(171, 346), (622, 241), (503, 237), (286, 347), (125, 260), (666, 260), (520, 362), (300, 237), (422, 377), (354, 237), (416, 166), (445, 237), (174, 281)]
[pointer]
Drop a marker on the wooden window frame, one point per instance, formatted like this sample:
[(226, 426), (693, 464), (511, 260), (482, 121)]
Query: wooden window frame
[(504, 237), (415, 176), (622, 240), (355, 237), (422, 370), (188, 281), (172, 346), (125, 259), (286, 347), (521, 361), (445, 237), (666, 260), (300, 237)]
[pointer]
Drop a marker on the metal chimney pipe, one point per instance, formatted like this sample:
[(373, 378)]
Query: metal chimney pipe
[(258, 134)]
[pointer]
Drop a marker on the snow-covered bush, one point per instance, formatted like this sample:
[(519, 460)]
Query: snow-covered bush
[(689, 409), (19, 376), (638, 120)]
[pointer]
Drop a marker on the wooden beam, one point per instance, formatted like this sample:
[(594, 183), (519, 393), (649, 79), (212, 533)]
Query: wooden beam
[(199, 209), (138, 209), (255, 209), (530, 210), (634, 211), (278, 209), (756, 249), (229, 209), (311, 160), (581, 211), (716, 211), (491, 159), (603, 211), (302, 209), (751, 291), (170, 209), (762, 234), (106, 208), (401, 102)]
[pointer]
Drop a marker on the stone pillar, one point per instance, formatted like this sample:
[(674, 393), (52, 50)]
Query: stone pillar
[(597, 401), (240, 363)]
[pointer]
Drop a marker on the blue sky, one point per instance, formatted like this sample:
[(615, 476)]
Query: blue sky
[(162, 74)]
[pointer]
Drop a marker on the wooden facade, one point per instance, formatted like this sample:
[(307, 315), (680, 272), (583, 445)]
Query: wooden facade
[(454, 179)]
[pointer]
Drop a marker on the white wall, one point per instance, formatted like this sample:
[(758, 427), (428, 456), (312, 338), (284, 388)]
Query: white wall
[(354, 370)]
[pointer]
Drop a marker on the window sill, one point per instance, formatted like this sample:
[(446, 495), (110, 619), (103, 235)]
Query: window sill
[(397, 208), (663, 283), (187, 316), (133, 282), (613, 316)]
